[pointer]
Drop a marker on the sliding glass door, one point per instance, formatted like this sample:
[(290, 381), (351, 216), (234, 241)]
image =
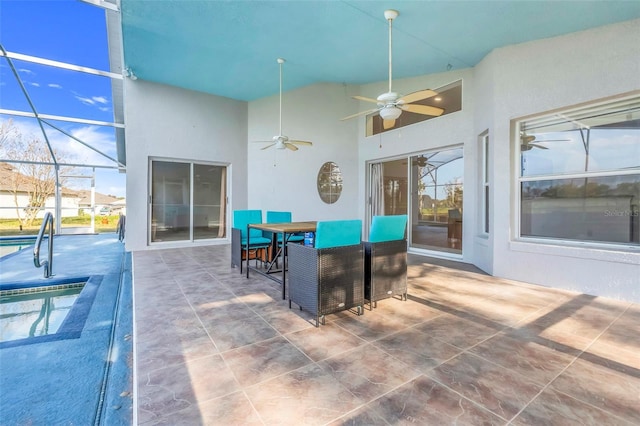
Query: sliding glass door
[(188, 201), (428, 187), (437, 182)]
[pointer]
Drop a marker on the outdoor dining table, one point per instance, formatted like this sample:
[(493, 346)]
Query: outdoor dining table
[(286, 230)]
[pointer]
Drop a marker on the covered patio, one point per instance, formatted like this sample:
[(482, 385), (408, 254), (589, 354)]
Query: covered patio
[(213, 347)]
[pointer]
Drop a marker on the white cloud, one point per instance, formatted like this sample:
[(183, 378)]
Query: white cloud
[(93, 101), (104, 109), (86, 101), (54, 85), (25, 71), (32, 83)]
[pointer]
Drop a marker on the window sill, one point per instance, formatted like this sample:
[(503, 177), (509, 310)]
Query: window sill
[(628, 255)]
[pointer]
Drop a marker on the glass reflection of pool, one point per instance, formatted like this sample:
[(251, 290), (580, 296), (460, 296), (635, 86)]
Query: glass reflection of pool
[(35, 312)]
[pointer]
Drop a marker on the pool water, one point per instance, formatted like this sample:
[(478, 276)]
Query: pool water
[(10, 245), (39, 312)]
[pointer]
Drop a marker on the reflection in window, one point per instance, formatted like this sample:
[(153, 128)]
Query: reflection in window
[(580, 174), (329, 182), (438, 179)]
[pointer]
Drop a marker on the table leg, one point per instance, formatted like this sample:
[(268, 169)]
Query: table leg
[(284, 264), (247, 249)]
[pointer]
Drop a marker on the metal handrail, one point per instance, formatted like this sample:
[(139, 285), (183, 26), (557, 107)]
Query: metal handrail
[(48, 264)]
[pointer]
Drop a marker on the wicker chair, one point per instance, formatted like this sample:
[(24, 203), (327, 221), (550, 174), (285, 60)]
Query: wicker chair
[(259, 244), (385, 267), (328, 278)]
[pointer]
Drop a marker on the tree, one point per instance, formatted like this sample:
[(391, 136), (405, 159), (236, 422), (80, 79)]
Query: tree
[(33, 174), (453, 189)]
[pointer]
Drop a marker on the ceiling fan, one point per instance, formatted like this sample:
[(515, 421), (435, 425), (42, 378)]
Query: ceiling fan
[(421, 161), (391, 104), (526, 142), (281, 141)]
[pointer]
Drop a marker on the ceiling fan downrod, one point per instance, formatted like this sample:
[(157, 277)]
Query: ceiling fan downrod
[(390, 15), (280, 62)]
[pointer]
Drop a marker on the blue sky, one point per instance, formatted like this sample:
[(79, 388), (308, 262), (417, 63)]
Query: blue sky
[(67, 31)]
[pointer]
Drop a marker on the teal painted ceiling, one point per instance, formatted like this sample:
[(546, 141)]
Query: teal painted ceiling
[(229, 48)]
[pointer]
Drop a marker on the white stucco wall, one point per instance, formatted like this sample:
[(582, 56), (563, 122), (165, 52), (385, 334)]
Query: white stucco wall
[(286, 180), (540, 76), (172, 123), (508, 84)]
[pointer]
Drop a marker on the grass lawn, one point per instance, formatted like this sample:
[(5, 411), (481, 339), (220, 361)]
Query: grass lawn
[(103, 224)]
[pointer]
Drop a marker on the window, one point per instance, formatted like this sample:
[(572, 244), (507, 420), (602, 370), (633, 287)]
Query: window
[(449, 98), (329, 182), (579, 174)]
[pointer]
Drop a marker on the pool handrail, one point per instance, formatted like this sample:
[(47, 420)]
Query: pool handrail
[(47, 264)]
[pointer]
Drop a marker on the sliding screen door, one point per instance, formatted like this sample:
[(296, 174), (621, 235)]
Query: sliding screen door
[(188, 201)]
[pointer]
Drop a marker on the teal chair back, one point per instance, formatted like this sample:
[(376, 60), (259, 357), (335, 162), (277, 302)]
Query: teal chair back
[(278, 217), (388, 228), (337, 233), (242, 218)]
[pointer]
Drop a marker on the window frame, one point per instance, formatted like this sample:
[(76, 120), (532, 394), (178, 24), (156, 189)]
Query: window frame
[(485, 184), (519, 179)]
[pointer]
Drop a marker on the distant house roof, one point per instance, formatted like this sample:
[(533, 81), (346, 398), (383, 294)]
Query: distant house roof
[(101, 199), (7, 173)]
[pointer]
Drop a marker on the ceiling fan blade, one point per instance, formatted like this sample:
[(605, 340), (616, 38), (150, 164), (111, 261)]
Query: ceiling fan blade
[(535, 145), (362, 98), (290, 146), (527, 138), (300, 142), (417, 96), (360, 113), (268, 146), (422, 109), (387, 124)]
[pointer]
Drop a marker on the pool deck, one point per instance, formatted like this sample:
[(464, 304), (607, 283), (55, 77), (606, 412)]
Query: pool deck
[(216, 348), (74, 380)]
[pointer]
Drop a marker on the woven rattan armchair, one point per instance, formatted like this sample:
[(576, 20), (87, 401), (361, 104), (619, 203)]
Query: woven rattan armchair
[(325, 280), (259, 244), (385, 265)]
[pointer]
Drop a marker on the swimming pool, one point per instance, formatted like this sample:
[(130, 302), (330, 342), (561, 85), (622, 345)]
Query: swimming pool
[(81, 374), (28, 314), (10, 245)]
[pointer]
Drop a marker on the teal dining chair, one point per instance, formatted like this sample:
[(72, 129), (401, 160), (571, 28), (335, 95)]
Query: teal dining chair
[(258, 243), (283, 217), (329, 277), (385, 259)]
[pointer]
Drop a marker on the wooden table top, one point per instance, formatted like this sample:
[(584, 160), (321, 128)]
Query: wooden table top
[(288, 227)]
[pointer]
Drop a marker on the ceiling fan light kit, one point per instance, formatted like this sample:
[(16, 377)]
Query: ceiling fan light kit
[(390, 112), (391, 104)]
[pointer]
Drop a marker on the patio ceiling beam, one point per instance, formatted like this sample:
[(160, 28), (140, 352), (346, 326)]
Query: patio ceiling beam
[(33, 108), (44, 163), (56, 64), (60, 118), (103, 4), (85, 144)]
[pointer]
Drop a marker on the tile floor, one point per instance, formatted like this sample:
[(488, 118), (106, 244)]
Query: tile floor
[(216, 348)]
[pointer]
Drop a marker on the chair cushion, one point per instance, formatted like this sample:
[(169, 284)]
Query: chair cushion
[(242, 218), (278, 217), (336, 233), (256, 241), (388, 228)]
